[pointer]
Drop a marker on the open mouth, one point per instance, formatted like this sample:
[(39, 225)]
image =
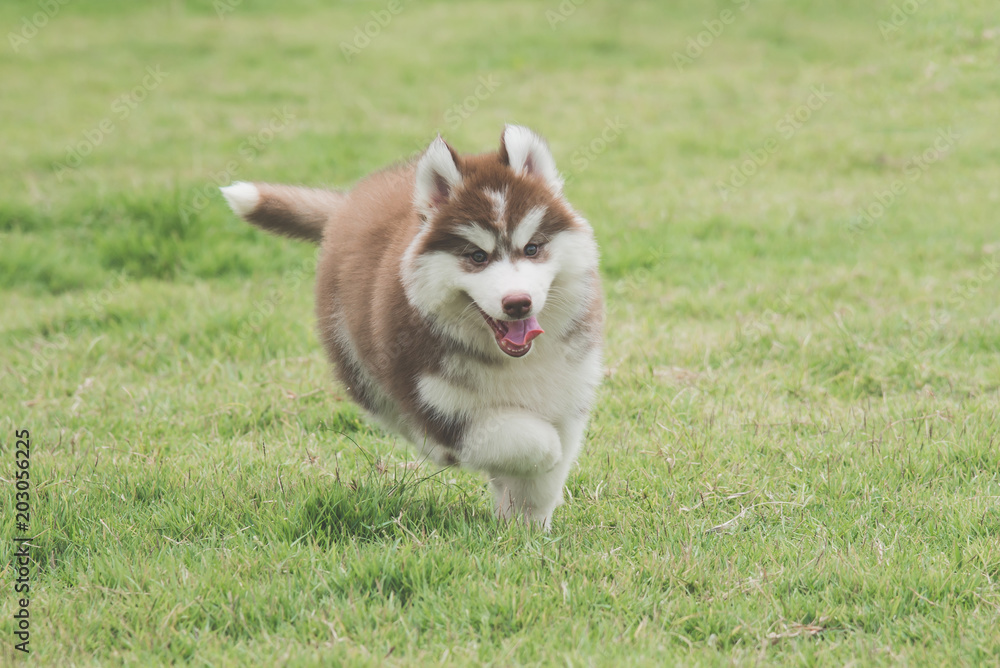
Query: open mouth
[(514, 336)]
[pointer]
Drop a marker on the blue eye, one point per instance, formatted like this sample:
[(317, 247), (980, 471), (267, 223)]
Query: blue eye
[(479, 257), (531, 249)]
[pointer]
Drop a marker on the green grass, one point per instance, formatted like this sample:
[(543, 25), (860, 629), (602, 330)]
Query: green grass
[(795, 456)]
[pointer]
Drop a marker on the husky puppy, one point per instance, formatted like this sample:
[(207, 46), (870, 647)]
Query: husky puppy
[(459, 299)]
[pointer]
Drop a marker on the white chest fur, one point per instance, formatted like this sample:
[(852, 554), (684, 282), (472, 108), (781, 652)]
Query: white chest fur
[(554, 382)]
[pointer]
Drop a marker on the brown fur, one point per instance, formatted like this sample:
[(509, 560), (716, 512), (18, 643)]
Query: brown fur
[(522, 193), (401, 323), (359, 286), (313, 208)]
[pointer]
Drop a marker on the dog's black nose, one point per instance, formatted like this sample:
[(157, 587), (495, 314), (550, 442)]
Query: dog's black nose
[(517, 306)]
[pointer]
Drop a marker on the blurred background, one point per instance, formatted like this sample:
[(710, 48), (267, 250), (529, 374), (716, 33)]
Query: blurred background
[(737, 158)]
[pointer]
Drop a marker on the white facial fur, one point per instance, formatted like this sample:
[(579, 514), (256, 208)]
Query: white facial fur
[(440, 284), (478, 236), (526, 229), (505, 277)]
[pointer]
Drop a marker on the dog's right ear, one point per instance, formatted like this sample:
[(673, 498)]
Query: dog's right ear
[(527, 153), (437, 178)]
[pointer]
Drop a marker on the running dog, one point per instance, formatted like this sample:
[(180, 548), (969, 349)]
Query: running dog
[(459, 300)]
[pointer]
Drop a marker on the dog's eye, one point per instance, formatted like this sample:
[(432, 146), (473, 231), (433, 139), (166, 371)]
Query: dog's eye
[(531, 249), (479, 256)]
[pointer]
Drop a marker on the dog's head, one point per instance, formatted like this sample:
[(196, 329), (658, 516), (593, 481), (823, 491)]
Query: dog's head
[(500, 254)]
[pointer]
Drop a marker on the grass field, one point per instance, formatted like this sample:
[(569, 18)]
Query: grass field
[(795, 455)]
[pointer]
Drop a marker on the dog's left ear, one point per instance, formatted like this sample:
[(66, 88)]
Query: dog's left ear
[(437, 178), (527, 153)]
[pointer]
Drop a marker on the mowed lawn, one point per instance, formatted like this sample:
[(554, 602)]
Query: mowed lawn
[(794, 458)]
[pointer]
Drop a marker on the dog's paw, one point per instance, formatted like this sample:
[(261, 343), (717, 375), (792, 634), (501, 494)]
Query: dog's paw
[(549, 451), (531, 500), (512, 444), (534, 449)]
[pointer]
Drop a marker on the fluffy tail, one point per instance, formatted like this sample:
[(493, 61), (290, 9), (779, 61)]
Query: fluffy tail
[(296, 212)]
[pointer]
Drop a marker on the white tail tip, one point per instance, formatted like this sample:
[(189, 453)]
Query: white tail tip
[(243, 197)]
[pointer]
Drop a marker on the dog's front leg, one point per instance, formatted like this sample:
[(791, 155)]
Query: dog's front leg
[(511, 443), (532, 499), (535, 496)]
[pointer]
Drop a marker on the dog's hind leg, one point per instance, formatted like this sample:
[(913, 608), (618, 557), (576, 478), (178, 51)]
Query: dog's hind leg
[(293, 211)]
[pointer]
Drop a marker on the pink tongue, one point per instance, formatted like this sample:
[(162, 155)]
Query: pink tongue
[(521, 332)]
